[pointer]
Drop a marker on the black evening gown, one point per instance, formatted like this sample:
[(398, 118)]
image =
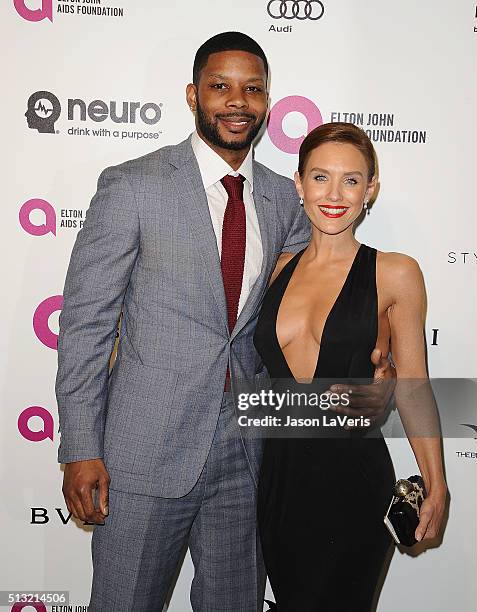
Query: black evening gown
[(321, 501)]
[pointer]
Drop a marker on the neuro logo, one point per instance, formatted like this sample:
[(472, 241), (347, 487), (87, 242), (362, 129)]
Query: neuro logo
[(282, 108), (45, 12), (50, 217), (41, 317), (296, 9), (40, 434), (43, 110), (20, 605)]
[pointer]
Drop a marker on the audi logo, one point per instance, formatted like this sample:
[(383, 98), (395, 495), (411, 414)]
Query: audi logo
[(296, 9)]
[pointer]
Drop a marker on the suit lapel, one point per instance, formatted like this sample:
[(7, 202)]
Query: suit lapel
[(266, 215), (193, 199)]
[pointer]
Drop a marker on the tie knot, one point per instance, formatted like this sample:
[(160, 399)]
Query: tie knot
[(233, 186)]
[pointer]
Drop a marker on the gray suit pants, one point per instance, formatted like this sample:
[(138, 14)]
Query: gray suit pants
[(137, 552)]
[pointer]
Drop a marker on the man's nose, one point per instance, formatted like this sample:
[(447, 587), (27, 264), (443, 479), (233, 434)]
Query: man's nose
[(237, 99)]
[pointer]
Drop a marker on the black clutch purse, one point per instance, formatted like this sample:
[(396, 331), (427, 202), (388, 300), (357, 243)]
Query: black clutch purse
[(402, 517)]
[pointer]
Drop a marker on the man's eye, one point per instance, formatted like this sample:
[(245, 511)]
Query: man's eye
[(254, 89), (218, 85), (351, 181), (320, 177)]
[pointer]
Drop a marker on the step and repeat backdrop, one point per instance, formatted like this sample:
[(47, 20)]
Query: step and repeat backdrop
[(91, 83)]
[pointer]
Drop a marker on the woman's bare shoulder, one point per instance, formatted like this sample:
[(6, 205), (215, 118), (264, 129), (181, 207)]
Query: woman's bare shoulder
[(398, 264), (399, 273)]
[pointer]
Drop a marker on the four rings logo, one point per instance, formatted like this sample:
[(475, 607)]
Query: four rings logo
[(296, 9)]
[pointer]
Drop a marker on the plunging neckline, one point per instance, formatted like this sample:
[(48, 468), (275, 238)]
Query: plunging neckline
[(296, 259)]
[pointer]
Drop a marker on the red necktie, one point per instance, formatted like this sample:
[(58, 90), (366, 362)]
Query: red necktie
[(233, 250), (233, 245)]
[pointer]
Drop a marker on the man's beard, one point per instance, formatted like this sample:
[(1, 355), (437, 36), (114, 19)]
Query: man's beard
[(210, 131)]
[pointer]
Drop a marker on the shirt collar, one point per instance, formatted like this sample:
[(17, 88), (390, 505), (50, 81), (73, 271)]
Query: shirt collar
[(213, 168)]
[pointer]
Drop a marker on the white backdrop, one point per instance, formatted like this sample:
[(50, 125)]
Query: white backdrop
[(410, 64)]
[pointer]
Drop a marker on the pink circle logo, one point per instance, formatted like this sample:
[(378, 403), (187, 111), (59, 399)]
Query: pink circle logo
[(41, 317), (282, 108), (41, 434), (50, 217), (45, 12), (38, 605)]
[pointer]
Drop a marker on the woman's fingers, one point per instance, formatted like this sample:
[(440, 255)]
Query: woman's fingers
[(425, 519), (430, 518)]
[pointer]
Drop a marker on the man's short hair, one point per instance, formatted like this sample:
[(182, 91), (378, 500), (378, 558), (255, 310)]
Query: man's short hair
[(226, 41)]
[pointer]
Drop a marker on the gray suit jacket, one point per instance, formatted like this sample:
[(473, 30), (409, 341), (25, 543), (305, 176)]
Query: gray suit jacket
[(148, 248)]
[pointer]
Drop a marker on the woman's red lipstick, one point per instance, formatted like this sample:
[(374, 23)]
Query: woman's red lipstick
[(333, 212)]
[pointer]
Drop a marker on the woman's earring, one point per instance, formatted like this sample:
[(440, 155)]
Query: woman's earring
[(301, 201), (365, 206)]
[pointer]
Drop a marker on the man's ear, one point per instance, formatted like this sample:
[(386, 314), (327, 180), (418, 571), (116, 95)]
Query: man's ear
[(299, 188), (191, 96)]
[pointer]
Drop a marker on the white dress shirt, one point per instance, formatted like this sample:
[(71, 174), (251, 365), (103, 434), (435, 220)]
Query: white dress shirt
[(213, 168)]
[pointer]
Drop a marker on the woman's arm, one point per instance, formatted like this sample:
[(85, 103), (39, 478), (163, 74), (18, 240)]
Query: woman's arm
[(414, 397)]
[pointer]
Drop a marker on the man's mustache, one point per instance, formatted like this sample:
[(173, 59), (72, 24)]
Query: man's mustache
[(239, 116)]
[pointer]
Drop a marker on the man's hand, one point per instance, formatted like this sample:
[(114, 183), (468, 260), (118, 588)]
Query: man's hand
[(369, 401), (79, 480), (382, 367)]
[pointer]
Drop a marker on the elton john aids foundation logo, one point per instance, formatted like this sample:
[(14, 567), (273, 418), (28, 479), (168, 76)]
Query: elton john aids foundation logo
[(45, 12), (43, 109), (49, 226), (36, 435), (281, 110), (41, 321)]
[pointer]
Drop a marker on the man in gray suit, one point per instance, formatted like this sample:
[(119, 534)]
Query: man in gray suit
[(182, 241)]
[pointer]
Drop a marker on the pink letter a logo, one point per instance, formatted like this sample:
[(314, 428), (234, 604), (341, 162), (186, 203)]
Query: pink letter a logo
[(45, 12)]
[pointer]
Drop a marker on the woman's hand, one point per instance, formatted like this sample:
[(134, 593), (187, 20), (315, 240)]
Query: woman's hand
[(431, 513)]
